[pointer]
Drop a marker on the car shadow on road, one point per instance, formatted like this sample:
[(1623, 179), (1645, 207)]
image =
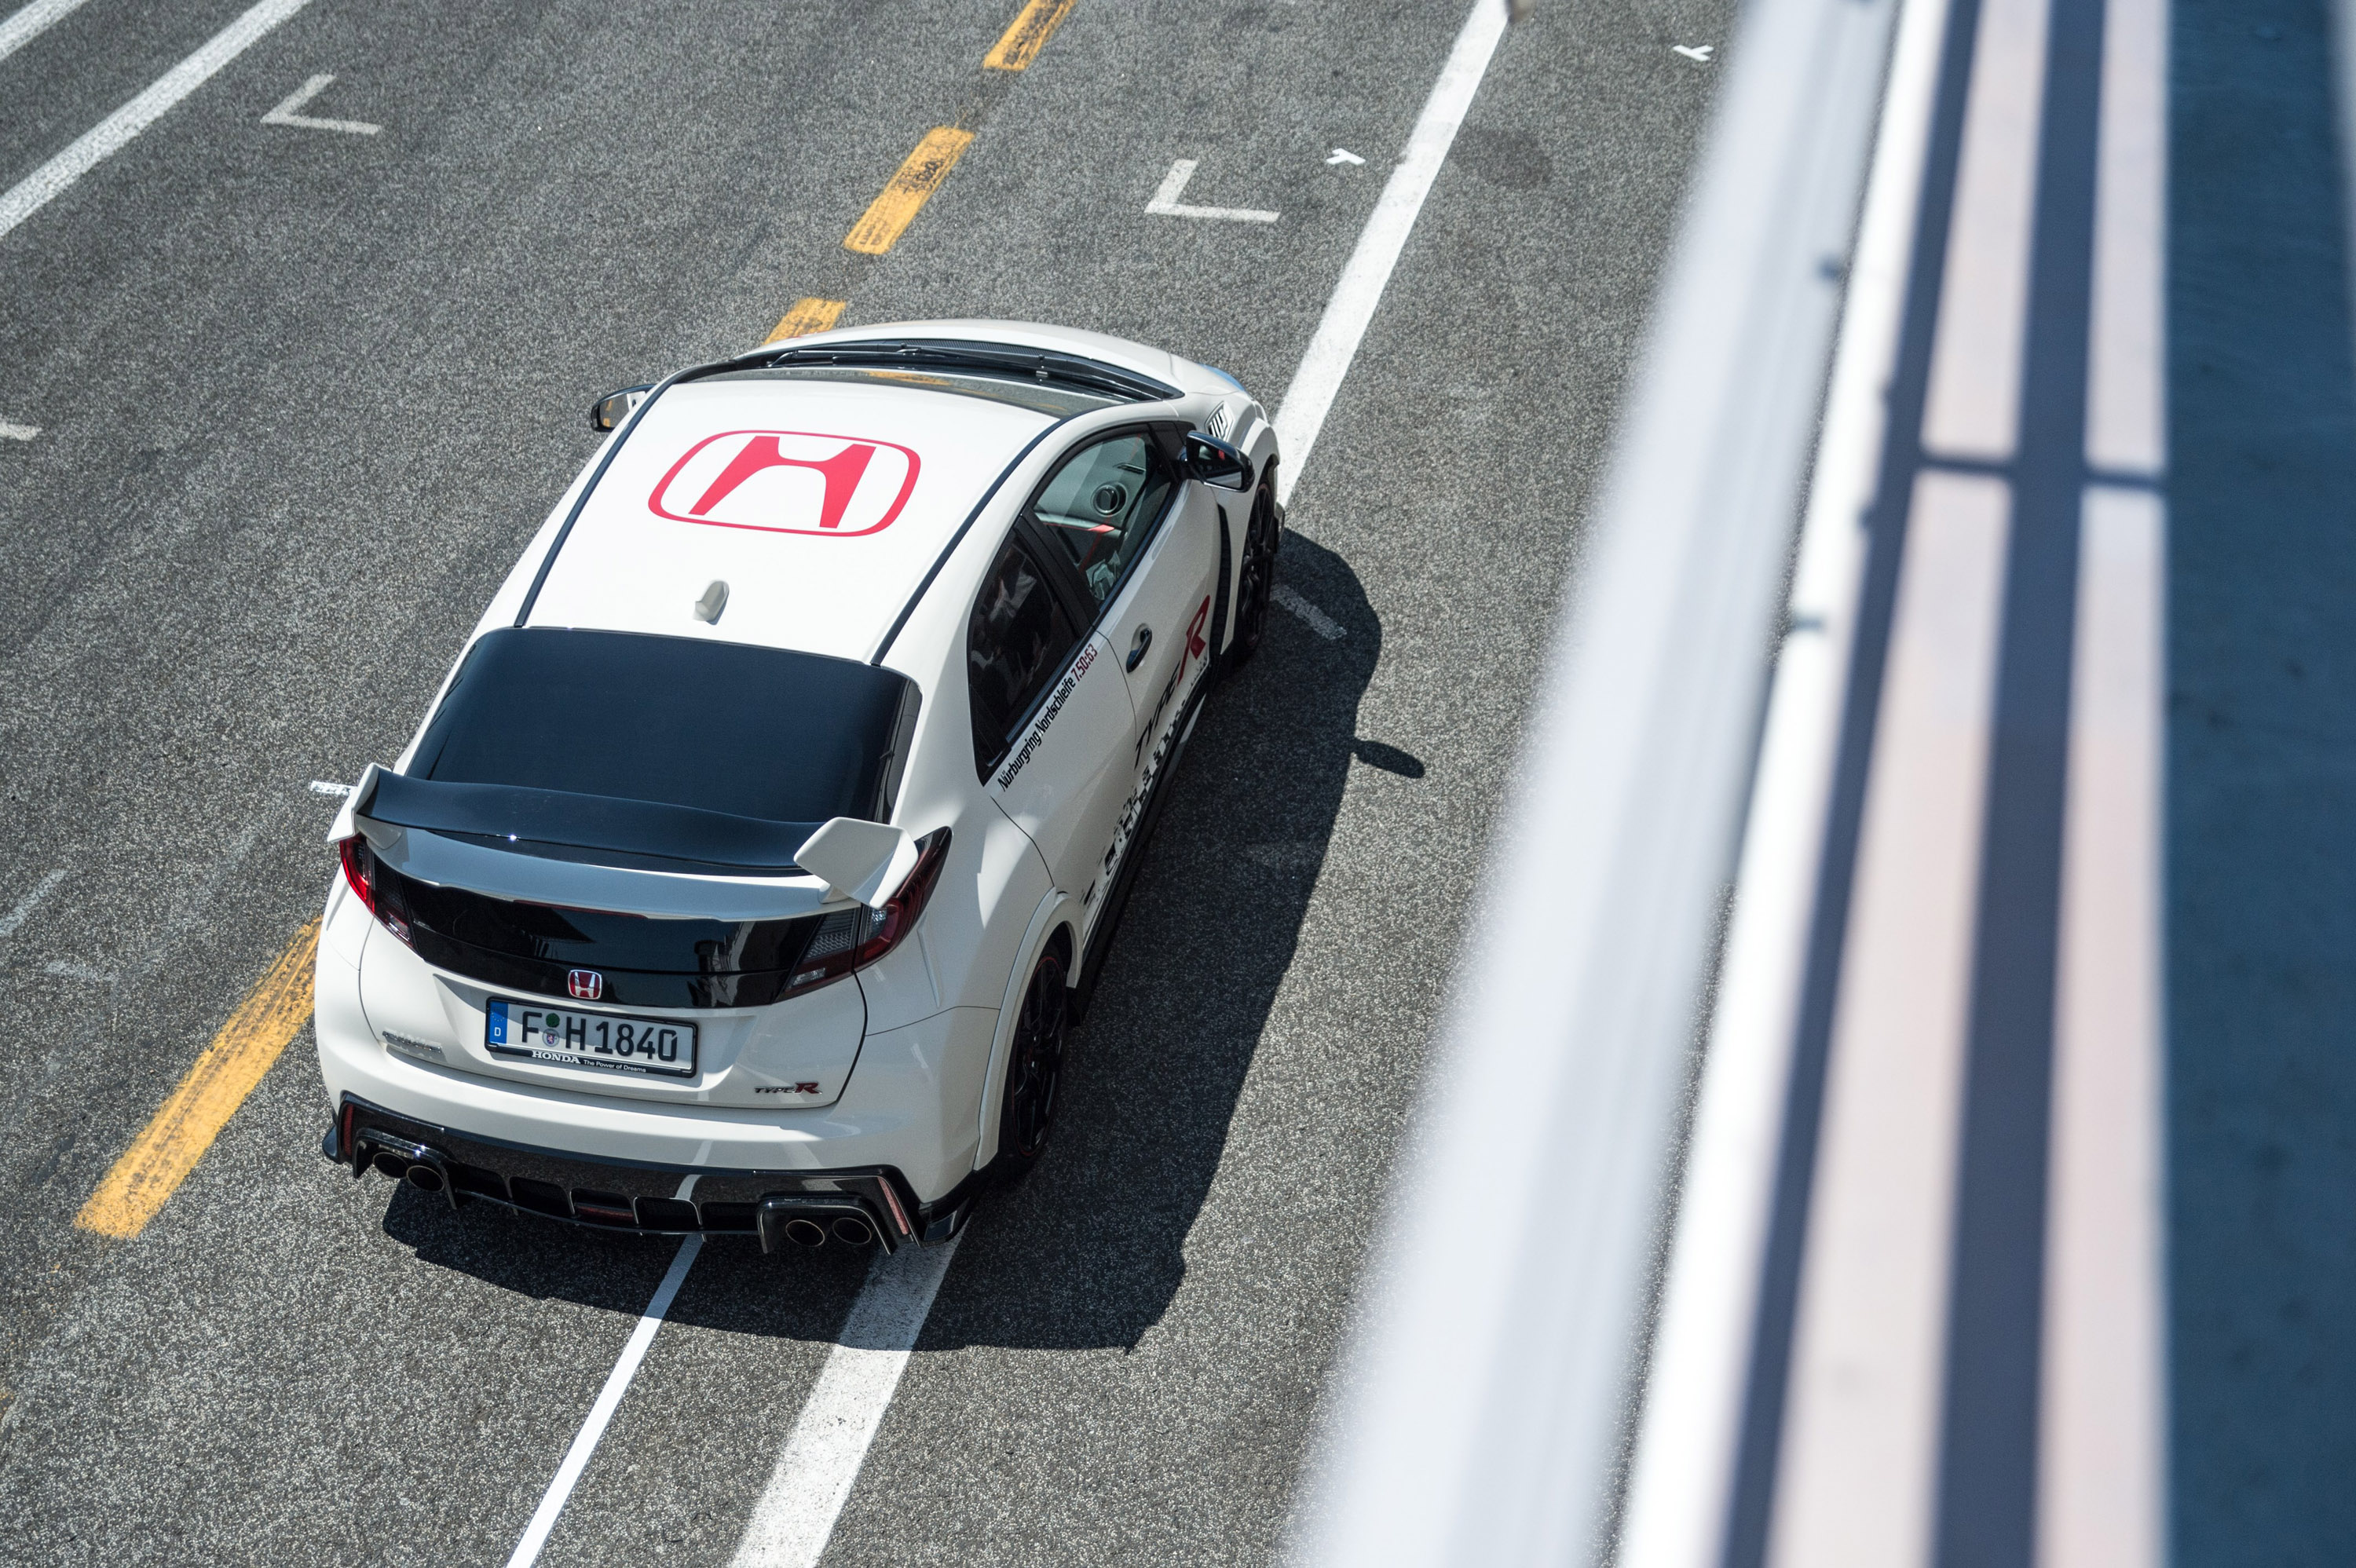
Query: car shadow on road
[(1087, 1252)]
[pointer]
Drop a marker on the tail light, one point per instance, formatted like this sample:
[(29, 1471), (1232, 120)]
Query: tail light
[(360, 875), (853, 939)]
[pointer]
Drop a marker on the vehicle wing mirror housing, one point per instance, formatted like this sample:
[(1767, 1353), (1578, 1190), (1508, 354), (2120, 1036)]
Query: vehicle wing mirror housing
[(608, 412), (866, 861), (1213, 462)]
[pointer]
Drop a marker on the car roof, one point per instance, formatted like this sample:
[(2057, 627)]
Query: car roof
[(822, 503)]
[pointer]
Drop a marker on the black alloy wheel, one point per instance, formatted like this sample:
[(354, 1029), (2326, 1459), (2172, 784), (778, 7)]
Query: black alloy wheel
[(1034, 1070), (1256, 578)]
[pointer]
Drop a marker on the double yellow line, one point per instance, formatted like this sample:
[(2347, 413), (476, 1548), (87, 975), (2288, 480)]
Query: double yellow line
[(921, 172), (168, 1147)]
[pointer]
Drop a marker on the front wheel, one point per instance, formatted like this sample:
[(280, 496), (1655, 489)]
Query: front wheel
[(1254, 576), (1034, 1070)]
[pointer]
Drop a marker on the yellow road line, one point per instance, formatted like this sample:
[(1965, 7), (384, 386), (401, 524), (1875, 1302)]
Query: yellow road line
[(880, 227), (160, 1158), (808, 315), (1028, 34)]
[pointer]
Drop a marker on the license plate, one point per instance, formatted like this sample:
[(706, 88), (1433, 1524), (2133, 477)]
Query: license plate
[(535, 1031)]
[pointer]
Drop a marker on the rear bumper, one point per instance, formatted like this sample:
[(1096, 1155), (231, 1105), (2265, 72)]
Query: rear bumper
[(911, 1105), (651, 1198)]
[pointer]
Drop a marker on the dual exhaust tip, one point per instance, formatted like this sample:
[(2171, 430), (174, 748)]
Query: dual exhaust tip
[(849, 1229), (417, 1164), (812, 1221)]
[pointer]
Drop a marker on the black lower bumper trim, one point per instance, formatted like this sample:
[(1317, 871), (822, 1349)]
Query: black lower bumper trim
[(857, 1207)]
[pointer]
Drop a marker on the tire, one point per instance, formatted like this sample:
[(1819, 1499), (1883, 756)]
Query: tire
[(1256, 576), (1034, 1070)]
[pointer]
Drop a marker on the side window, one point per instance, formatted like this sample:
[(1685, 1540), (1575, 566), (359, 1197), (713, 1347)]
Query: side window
[(1101, 506), (1017, 639)]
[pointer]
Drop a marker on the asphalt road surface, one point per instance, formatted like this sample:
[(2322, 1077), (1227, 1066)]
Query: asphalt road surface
[(300, 395)]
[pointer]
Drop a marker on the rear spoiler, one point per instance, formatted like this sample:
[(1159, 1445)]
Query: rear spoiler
[(706, 841), (860, 860)]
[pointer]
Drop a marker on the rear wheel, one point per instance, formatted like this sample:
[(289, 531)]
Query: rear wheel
[(1034, 1070), (1255, 575)]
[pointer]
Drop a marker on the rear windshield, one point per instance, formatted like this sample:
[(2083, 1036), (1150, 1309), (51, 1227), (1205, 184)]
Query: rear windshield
[(760, 733)]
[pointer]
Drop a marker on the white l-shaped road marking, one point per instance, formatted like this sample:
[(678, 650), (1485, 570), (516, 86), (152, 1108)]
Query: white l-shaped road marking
[(1165, 202), (285, 114), (111, 135)]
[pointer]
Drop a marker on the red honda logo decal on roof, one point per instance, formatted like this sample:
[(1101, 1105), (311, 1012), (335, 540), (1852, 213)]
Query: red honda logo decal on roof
[(587, 984), (788, 481)]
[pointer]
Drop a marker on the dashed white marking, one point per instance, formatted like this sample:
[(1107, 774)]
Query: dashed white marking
[(16, 918), (19, 432), (1319, 622), (1343, 155), (324, 786), (66, 969), (109, 137), (617, 1383), (795, 1518), (1327, 362), (1695, 51), (285, 114), (29, 23), (1165, 202)]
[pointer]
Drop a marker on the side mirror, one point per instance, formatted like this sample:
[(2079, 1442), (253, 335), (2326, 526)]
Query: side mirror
[(1213, 462), (608, 412)]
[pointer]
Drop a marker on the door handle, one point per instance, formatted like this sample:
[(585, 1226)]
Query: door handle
[(1136, 649)]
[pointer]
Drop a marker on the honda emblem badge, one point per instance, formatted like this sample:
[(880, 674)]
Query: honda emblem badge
[(587, 984)]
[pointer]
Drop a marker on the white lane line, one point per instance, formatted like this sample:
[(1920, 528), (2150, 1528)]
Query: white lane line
[(1165, 202), (16, 918), (795, 1518), (285, 114), (328, 786), (1311, 396), (30, 22), (1698, 52), (19, 432), (1319, 622), (1342, 155), (617, 1383), (109, 135)]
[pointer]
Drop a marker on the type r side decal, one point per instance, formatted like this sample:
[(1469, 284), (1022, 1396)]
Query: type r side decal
[(1163, 736), (1064, 689)]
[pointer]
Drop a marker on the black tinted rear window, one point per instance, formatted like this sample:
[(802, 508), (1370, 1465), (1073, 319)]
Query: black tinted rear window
[(761, 732)]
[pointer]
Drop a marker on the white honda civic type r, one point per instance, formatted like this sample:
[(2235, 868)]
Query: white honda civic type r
[(774, 821)]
